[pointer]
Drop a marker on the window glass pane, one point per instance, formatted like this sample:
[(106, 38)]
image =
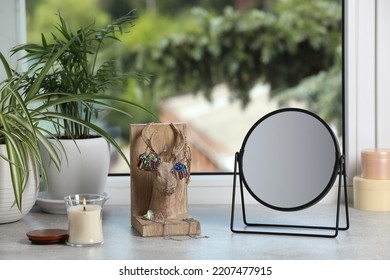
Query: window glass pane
[(219, 66)]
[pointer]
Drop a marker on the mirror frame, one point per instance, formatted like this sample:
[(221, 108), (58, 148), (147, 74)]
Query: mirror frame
[(332, 177)]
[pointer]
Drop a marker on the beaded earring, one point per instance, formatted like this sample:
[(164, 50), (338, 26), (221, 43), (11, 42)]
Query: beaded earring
[(179, 169), (148, 161)]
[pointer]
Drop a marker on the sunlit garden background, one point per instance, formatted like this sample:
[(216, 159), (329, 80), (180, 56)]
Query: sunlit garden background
[(219, 66)]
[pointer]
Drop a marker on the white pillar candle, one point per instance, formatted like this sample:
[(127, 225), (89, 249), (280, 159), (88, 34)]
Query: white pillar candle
[(85, 224)]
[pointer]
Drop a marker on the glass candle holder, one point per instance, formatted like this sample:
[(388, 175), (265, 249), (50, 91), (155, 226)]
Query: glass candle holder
[(85, 219)]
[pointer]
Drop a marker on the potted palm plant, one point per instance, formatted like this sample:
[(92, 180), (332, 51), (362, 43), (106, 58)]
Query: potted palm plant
[(80, 75)]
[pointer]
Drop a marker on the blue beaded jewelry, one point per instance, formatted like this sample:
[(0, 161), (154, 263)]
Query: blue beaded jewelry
[(180, 171)]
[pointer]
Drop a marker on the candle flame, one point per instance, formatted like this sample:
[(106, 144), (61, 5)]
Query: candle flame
[(84, 204)]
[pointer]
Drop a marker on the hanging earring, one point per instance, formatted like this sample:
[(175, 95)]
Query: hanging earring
[(142, 161), (154, 160), (180, 171), (148, 161)]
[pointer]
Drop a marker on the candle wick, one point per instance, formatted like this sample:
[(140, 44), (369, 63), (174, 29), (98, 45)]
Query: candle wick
[(84, 208)]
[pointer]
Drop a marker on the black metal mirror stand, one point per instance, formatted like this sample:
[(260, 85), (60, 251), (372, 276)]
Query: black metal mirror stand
[(300, 230)]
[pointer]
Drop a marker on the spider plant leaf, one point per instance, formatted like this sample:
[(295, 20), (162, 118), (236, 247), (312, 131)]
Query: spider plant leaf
[(7, 68)]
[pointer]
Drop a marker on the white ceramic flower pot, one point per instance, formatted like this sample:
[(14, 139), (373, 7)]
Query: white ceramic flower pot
[(84, 169), (9, 212)]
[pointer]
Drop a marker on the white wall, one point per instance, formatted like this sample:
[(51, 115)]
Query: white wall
[(383, 73), (12, 28), (367, 79)]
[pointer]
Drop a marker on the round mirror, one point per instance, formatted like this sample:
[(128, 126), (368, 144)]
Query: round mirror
[(289, 159)]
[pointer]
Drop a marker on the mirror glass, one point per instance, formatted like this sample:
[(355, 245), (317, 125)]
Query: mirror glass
[(289, 159)]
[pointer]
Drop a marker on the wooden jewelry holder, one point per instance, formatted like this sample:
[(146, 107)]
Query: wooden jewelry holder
[(159, 191)]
